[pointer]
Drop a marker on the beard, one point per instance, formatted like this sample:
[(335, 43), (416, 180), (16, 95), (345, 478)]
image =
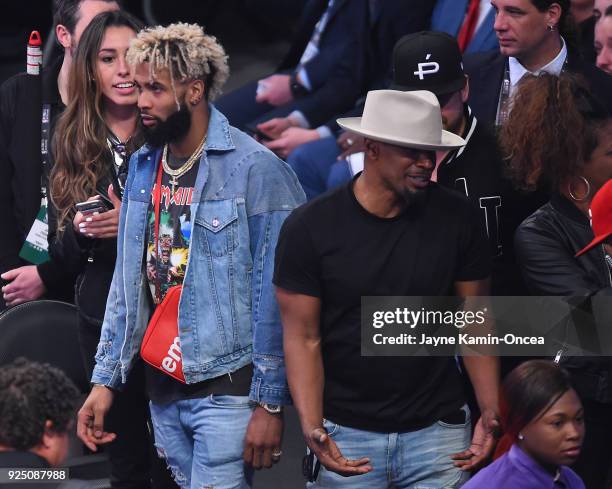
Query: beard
[(452, 126), (414, 197), (173, 129)]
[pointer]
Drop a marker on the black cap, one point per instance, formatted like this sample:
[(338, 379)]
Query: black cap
[(428, 61)]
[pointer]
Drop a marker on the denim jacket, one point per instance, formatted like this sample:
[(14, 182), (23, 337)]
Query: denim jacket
[(228, 314)]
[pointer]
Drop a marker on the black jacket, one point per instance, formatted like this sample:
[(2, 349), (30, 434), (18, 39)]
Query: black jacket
[(486, 72), (477, 171), (90, 261), (21, 99), (546, 243)]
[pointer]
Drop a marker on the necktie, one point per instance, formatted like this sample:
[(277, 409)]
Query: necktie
[(469, 25)]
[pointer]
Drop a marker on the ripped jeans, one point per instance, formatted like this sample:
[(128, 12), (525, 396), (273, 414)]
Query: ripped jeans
[(202, 441)]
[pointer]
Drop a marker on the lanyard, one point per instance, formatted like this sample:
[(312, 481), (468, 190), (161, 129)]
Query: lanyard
[(44, 149), (119, 169), (157, 196), (503, 107)]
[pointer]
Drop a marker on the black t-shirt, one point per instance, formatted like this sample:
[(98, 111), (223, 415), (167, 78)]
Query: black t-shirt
[(332, 248), (166, 268)]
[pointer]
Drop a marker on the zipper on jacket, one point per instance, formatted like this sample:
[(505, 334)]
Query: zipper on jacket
[(608, 262)]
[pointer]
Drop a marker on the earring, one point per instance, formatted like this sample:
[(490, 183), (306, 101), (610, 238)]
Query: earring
[(586, 195), (520, 436), (552, 27), (195, 101)]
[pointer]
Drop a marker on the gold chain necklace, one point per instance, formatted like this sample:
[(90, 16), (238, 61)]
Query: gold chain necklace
[(188, 165)]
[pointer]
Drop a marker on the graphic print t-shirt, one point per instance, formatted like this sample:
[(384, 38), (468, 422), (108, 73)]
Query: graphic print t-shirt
[(166, 264)]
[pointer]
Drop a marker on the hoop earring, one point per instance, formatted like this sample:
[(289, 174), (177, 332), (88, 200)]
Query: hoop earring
[(588, 192)]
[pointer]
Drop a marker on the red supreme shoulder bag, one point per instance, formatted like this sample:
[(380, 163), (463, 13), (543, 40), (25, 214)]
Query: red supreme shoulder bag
[(161, 345)]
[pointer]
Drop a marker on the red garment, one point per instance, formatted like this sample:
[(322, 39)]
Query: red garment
[(469, 25)]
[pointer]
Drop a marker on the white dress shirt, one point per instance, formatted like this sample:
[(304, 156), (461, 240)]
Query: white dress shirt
[(518, 71)]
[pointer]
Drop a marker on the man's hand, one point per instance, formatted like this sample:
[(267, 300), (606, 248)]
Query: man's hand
[(328, 453), (274, 90), (26, 285), (264, 437), (486, 433), (90, 420), (275, 127), (291, 139), (105, 225), (350, 143)]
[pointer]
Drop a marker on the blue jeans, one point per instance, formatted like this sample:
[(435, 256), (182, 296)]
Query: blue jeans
[(413, 460), (203, 440)]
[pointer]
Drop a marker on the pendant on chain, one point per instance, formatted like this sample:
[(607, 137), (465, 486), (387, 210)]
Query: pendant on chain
[(173, 182)]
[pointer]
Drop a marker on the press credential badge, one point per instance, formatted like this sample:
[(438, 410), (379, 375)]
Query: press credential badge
[(35, 248)]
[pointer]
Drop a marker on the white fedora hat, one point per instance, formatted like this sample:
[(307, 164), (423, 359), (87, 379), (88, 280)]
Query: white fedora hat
[(410, 119)]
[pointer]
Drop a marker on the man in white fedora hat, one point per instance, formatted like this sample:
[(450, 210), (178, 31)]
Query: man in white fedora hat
[(396, 420)]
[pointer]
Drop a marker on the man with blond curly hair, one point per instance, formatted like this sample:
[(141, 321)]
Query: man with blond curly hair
[(202, 209)]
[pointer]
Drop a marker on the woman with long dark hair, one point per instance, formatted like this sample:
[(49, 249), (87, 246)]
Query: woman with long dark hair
[(92, 144), (559, 138), (542, 419)]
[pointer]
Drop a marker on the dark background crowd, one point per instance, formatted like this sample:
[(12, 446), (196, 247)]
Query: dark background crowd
[(255, 33), (532, 168)]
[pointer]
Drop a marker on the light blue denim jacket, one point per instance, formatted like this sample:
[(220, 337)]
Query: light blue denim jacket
[(228, 314)]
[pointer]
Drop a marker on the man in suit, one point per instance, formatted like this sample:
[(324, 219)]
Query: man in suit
[(533, 39), (471, 21), (389, 20), (322, 74)]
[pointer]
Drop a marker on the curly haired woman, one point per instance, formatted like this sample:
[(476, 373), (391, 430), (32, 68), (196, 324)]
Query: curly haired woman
[(559, 137)]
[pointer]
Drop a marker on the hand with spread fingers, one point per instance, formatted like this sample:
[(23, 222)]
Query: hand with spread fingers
[(100, 225), (329, 455), (264, 438), (484, 440)]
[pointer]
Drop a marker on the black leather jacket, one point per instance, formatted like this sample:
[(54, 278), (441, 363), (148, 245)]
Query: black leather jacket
[(546, 243)]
